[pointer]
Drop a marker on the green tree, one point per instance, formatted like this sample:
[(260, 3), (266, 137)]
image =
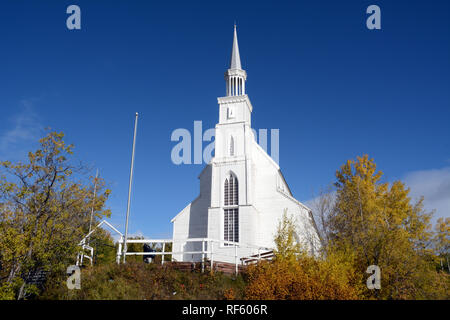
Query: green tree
[(105, 249), (44, 212)]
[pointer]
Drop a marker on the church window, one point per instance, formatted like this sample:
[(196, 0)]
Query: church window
[(231, 209), (231, 146)]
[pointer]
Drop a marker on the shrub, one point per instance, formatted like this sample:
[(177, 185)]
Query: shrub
[(304, 279), (139, 281)]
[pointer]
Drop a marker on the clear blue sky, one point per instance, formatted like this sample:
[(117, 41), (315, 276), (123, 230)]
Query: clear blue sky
[(334, 89)]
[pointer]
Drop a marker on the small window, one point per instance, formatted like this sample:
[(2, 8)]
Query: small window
[(231, 146), (230, 112)]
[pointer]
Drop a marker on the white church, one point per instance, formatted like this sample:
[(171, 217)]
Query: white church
[(243, 193)]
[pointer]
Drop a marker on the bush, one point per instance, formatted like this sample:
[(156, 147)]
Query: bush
[(304, 279), (139, 281)]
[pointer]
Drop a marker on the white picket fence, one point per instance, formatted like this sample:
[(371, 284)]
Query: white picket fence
[(209, 249)]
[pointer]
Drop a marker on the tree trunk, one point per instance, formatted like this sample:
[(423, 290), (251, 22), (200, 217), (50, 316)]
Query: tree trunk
[(14, 269), (21, 291)]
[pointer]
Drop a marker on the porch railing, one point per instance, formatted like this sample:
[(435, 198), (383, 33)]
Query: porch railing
[(208, 248)]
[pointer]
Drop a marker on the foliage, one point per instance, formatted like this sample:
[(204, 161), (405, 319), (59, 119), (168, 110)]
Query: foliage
[(296, 275), (44, 211), (366, 223), (137, 281), (306, 279), (381, 225), (287, 246), (105, 249), (442, 241), (7, 290)]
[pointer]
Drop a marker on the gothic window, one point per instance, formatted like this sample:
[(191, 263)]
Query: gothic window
[(231, 191), (231, 209)]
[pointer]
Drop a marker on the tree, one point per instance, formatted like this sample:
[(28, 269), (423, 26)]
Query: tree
[(322, 207), (442, 241), (381, 225), (44, 212), (105, 249), (307, 279), (294, 274), (287, 246)]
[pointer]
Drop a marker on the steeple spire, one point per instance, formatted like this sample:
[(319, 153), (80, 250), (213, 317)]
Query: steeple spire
[(235, 57), (235, 77)]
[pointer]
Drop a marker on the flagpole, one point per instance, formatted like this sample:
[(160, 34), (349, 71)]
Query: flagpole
[(93, 202), (129, 190)]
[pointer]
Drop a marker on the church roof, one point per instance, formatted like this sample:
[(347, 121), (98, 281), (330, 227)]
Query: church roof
[(235, 62)]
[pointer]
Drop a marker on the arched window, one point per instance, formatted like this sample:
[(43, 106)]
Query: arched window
[(231, 209), (231, 146)]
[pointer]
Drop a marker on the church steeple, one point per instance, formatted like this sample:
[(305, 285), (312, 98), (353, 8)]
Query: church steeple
[(235, 77), (235, 57)]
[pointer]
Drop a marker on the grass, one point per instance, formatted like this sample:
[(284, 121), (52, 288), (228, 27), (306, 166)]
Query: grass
[(139, 281)]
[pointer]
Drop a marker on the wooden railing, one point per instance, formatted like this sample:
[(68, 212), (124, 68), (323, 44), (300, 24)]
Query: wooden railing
[(207, 250)]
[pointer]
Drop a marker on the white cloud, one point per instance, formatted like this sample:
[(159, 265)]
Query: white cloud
[(24, 131), (434, 185)]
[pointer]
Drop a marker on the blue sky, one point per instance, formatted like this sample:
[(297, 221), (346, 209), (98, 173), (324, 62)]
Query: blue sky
[(334, 89)]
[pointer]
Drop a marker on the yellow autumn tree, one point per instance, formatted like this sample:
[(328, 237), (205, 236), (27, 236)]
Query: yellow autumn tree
[(287, 246), (383, 227), (45, 206), (442, 242), (296, 275)]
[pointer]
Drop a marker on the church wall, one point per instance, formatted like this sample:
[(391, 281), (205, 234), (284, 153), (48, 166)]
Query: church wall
[(272, 213), (180, 230), (220, 172), (193, 220), (270, 202), (247, 231), (258, 220), (240, 109), (223, 134)]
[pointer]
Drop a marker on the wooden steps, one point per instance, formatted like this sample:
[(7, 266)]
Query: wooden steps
[(267, 255), (219, 266), (225, 267)]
